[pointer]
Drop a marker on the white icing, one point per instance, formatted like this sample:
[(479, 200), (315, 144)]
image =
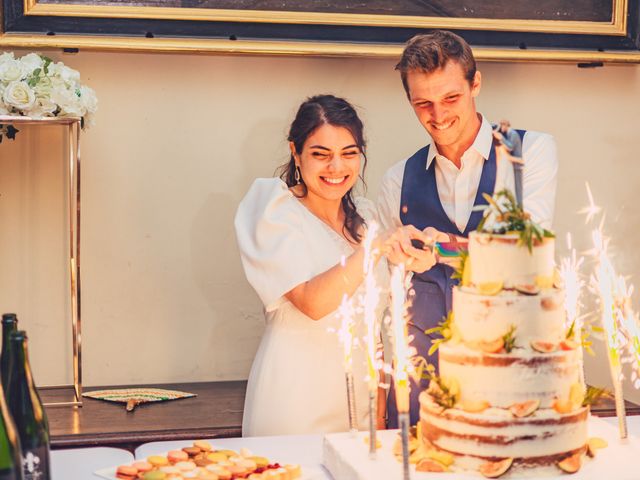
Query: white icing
[(502, 386), (486, 318), (499, 258)]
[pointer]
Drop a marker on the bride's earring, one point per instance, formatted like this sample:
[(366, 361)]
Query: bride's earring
[(296, 174)]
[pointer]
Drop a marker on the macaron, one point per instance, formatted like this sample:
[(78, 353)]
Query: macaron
[(294, 470), (155, 475), (203, 445), (207, 476), (191, 451), (217, 457), (157, 460), (175, 456), (142, 466), (126, 472), (185, 466), (202, 462)]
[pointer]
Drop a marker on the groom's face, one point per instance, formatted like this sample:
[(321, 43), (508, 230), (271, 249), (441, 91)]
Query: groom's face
[(444, 102)]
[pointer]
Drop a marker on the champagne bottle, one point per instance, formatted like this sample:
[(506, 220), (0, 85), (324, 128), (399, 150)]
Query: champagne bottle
[(27, 411), (9, 324), (10, 454)]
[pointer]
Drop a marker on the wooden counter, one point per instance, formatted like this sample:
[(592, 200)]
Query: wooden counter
[(215, 412)]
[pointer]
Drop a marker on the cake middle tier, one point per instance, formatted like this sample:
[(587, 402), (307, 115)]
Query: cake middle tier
[(484, 318), (508, 378)]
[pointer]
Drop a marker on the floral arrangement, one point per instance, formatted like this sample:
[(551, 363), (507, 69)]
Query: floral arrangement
[(35, 86), (504, 215)]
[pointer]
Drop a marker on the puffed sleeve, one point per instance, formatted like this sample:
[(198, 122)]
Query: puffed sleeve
[(271, 239)]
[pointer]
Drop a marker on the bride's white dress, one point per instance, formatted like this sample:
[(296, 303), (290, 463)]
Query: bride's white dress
[(297, 382)]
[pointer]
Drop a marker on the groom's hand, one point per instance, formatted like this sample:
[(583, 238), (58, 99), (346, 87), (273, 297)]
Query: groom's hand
[(399, 249)]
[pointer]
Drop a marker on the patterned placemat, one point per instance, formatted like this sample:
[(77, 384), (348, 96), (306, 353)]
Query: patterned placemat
[(132, 397)]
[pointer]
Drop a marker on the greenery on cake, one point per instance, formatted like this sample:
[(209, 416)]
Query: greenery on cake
[(445, 393), (445, 330), (594, 394), (459, 269), (509, 339), (503, 215)]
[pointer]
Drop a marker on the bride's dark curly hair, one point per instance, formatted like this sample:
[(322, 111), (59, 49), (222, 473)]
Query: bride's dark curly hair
[(313, 113)]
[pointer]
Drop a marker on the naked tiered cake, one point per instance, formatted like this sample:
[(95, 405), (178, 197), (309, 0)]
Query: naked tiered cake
[(510, 391)]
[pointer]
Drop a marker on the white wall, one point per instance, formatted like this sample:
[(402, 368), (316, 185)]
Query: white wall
[(178, 140)]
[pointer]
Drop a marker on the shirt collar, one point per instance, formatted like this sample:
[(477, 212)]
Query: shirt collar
[(482, 144)]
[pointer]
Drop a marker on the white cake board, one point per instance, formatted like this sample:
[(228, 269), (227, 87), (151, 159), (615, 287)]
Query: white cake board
[(347, 458)]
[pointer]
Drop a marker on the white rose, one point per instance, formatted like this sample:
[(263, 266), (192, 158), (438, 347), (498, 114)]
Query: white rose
[(11, 71), (68, 75), (6, 57), (43, 87), (68, 102), (32, 61), (88, 99), (43, 107), (19, 95), (3, 109)]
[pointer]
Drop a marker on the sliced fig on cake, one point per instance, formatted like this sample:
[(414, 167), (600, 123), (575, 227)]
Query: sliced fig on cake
[(572, 463), (474, 406), (494, 346), (496, 469), (430, 465), (594, 444), (543, 347), (527, 289), (524, 409)]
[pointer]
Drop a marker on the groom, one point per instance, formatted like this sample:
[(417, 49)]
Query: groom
[(436, 189)]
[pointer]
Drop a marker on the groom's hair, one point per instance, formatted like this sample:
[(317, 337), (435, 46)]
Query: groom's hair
[(431, 51)]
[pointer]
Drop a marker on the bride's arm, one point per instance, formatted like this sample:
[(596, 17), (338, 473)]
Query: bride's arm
[(322, 294)]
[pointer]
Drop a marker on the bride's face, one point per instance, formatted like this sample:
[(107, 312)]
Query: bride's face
[(329, 162)]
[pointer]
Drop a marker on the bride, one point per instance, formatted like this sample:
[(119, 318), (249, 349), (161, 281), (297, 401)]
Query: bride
[(300, 239)]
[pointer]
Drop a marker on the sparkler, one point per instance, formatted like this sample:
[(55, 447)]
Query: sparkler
[(369, 303), (608, 288), (401, 361), (346, 337)]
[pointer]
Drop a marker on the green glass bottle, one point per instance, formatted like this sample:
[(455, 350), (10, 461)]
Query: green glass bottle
[(10, 454), (27, 411), (9, 324)]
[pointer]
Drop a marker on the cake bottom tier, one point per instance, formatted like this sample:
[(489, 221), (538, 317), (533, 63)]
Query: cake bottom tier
[(346, 457), (541, 439)]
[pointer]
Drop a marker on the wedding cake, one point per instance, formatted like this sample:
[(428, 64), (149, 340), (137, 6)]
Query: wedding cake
[(510, 393)]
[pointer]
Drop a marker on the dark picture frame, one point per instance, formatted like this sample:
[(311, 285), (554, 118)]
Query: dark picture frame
[(563, 30)]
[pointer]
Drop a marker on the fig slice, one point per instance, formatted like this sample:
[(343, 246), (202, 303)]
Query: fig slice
[(496, 469), (543, 347), (524, 409), (494, 346), (572, 463), (526, 289), (474, 406), (430, 465)]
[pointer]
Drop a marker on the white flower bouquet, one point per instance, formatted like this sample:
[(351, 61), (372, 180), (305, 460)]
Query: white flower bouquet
[(34, 86)]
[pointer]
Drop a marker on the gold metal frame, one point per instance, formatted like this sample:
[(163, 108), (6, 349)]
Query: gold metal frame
[(616, 26), (73, 183), (316, 49)]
